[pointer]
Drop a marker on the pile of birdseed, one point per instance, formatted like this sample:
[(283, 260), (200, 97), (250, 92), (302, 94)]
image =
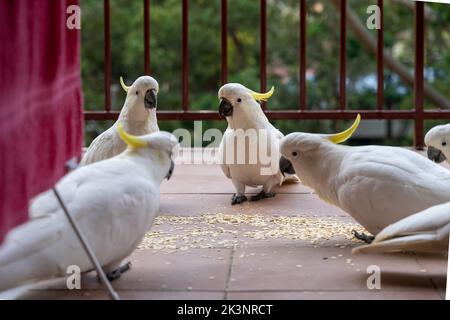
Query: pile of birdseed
[(182, 233)]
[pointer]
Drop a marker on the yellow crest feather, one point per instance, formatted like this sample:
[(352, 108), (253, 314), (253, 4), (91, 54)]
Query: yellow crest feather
[(346, 134), (132, 141), (262, 96), (124, 86)]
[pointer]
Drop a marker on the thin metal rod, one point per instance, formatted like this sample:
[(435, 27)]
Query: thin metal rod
[(380, 60), (224, 41), (147, 37), (87, 248), (302, 49), (263, 49), (343, 55), (447, 294), (107, 54), (313, 114), (185, 57), (419, 75)]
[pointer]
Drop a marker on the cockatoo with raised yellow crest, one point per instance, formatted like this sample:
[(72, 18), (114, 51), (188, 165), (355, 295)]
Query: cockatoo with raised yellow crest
[(138, 117), (114, 202), (376, 185), (249, 150)]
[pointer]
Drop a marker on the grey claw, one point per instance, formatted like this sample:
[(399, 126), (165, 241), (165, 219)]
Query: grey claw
[(238, 198), (262, 195), (116, 274), (363, 237)]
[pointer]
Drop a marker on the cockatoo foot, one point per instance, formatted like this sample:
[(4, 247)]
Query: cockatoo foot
[(117, 273), (363, 237), (262, 195), (238, 198)]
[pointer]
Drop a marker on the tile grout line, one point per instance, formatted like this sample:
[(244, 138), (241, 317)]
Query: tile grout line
[(231, 193), (430, 279), (230, 269)]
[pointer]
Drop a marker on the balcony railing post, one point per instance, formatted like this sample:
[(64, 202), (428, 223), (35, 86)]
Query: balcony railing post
[(107, 54), (263, 48), (224, 41), (419, 75), (302, 51), (147, 37), (343, 55), (185, 56), (380, 60)]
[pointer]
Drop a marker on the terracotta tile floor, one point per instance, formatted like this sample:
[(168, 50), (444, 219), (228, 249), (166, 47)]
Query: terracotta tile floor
[(281, 268)]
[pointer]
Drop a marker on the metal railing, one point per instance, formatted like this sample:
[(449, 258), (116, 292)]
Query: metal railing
[(417, 113)]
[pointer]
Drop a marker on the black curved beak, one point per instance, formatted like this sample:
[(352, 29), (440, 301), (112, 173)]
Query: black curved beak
[(225, 108), (435, 155), (286, 166), (172, 167), (150, 101)]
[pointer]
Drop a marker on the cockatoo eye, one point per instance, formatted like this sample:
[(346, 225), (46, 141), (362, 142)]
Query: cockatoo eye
[(444, 143), (294, 153), (137, 93), (239, 100)]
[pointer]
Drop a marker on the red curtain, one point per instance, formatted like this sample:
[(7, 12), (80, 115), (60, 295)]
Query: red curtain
[(40, 101)]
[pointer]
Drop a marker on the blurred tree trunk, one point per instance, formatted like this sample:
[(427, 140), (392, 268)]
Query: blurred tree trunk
[(360, 31)]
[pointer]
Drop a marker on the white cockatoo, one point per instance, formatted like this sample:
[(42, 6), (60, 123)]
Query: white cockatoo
[(438, 143), (138, 117), (426, 231), (376, 185), (249, 150), (114, 202)]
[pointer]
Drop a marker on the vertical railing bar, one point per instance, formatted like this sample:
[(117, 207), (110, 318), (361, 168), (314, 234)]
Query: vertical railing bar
[(263, 49), (224, 42), (147, 37), (419, 74), (107, 54), (184, 63), (302, 53), (380, 60), (343, 55)]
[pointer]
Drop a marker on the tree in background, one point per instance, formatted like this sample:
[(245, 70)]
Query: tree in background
[(243, 56)]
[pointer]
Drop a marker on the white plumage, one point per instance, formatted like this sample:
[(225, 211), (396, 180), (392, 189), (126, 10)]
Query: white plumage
[(114, 203), (427, 231), (249, 150), (376, 185), (138, 117)]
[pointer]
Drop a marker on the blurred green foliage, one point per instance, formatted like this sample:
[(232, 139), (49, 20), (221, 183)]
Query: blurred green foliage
[(243, 57)]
